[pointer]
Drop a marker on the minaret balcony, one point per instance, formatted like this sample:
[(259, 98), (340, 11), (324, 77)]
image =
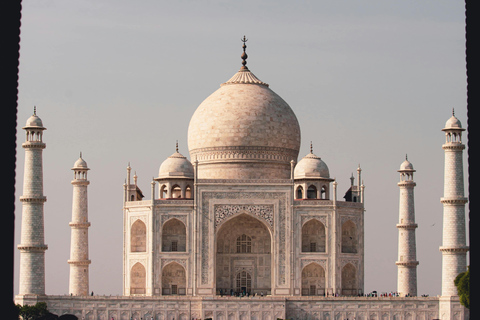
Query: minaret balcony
[(407, 225), (32, 247), (454, 200), (38, 199), (33, 145)]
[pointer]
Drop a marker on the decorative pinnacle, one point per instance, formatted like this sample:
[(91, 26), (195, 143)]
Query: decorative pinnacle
[(244, 54), (176, 146), (406, 156), (311, 147), (80, 154), (34, 110), (453, 112)]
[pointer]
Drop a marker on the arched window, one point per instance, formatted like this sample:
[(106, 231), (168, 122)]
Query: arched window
[(312, 192), (299, 192), (138, 279), (244, 282), (163, 192), (174, 236), (138, 237), (176, 192), (313, 236), (188, 192), (323, 193), (244, 244), (349, 237)]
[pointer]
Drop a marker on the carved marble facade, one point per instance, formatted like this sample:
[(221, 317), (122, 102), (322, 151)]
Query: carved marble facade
[(252, 237)]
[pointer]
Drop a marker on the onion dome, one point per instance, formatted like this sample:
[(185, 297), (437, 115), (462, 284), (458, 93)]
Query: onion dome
[(453, 123), (176, 166), (34, 122), (311, 166), (80, 164), (406, 165), (244, 130)]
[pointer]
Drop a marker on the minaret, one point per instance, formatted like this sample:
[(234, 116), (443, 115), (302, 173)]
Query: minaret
[(32, 247), (79, 262), (407, 252), (454, 248)]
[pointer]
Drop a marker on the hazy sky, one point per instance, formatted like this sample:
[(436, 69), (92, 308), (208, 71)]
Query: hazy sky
[(369, 82)]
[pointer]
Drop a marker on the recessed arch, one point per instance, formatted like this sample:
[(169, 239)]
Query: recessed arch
[(176, 191), (349, 237), (138, 237), (174, 236), (188, 192), (138, 279), (313, 280), (163, 191), (312, 192), (313, 236), (252, 237), (299, 192), (174, 280), (349, 280)]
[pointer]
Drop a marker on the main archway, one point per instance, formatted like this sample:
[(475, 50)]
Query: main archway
[(243, 256)]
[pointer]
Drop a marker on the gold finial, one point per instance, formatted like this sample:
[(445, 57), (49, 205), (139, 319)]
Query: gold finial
[(244, 54)]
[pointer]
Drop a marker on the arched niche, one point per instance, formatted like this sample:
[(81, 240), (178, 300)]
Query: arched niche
[(174, 281), (138, 279), (313, 236), (313, 280), (243, 244), (349, 237), (138, 237), (174, 236)]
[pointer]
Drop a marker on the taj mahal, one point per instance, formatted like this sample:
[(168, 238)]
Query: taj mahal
[(243, 216)]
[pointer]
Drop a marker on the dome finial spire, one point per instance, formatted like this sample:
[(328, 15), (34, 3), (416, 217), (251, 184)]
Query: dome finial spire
[(176, 146), (34, 110), (244, 54), (311, 147)]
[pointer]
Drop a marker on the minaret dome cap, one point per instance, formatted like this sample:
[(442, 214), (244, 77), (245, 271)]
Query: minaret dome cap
[(453, 124), (406, 166), (80, 164)]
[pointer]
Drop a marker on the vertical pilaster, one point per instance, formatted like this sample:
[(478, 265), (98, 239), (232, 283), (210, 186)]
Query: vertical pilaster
[(407, 256), (79, 262), (32, 244)]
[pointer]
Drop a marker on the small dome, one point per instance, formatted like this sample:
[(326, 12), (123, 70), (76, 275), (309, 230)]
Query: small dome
[(311, 166), (80, 164), (176, 166), (453, 123), (34, 122), (406, 165)]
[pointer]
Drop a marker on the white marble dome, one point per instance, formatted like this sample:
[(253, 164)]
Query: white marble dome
[(453, 123), (244, 130), (34, 122), (176, 166), (80, 164), (311, 166), (406, 166)]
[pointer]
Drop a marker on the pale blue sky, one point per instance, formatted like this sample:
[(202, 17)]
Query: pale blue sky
[(369, 81)]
